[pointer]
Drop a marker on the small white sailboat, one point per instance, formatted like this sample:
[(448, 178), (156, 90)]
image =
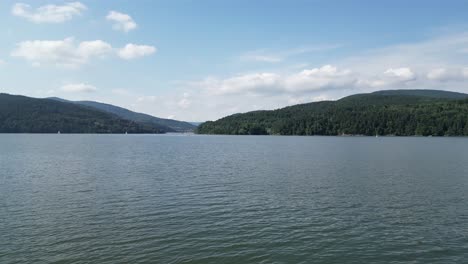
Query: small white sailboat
[(58, 132)]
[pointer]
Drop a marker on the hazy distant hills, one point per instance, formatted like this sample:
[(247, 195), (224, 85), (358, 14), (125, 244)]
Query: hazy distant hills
[(404, 96), (392, 112), (20, 114), (437, 94), (168, 125)]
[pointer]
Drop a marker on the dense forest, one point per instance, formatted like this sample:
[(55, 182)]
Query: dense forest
[(168, 125), (20, 114), (398, 113)]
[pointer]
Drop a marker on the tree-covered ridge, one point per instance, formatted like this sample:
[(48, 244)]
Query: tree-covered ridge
[(380, 113), (168, 125), (20, 114)]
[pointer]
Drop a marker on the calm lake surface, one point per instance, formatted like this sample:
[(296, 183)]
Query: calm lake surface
[(232, 199)]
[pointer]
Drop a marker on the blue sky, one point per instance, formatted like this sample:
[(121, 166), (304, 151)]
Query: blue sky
[(201, 60)]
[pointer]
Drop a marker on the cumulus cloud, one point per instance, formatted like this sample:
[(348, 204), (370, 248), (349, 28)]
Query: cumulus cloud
[(93, 48), (325, 77), (69, 53), (133, 51), (254, 83), (78, 88), (60, 52), (48, 13), (448, 74), (401, 74), (328, 79), (390, 78), (122, 22), (309, 80)]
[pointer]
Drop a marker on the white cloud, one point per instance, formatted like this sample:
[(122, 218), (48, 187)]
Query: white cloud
[(401, 74), (133, 51), (268, 83), (60, 52), (69, 53), (390, 78), (325, 77), (249, 83), (448, 74), (78, 88), (48, 13), (95, 48), (122, 22)]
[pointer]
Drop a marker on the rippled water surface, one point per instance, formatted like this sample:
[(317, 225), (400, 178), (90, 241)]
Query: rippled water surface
[(228, 199)]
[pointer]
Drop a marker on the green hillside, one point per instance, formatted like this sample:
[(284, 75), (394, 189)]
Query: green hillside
[(396, 112), (20, 114), (172, 125), (168, 125)]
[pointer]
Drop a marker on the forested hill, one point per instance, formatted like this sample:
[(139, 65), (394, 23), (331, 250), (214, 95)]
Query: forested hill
[(170, 124), (395, 112), (20, 114)]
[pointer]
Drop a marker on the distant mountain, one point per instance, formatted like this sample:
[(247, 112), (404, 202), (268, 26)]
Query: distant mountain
[(437, 94), (169, 124), (402, 97), (393, 112), (21, 114), (196, 123)]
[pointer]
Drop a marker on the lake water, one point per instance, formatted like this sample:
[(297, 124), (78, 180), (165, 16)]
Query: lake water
[(232, 199)]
